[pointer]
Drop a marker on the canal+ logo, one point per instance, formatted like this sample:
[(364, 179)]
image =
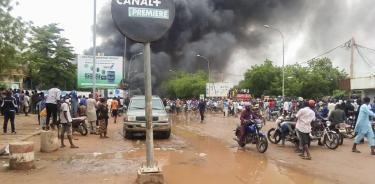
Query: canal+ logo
[(139, 2)]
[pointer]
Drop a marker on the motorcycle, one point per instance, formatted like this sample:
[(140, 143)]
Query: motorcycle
[(254, 135), (349, 127), (320, 131), (275, 135), (79, 125), (340, 132)]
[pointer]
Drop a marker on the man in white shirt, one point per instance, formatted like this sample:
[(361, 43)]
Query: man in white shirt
[(305, 117), (66, 122), (331, 107), (51, 104), (286, 107), (26, 103)]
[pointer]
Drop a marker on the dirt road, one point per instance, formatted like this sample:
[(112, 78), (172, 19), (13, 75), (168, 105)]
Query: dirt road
[(196, 153)]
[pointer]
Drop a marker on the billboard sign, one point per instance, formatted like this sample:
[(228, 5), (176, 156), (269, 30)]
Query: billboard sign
[(108, 71), (218, 89)]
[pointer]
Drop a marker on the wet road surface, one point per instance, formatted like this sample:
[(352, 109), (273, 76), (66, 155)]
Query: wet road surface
[(196, 153)]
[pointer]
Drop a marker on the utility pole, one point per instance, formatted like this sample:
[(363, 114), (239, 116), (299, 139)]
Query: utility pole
[(282, 36), (352, 45)]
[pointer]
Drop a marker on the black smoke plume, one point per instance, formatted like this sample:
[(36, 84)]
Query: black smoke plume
[(216, 29)]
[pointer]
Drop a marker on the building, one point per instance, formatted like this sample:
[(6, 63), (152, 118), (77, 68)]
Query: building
[(364, 84), (13, 78)]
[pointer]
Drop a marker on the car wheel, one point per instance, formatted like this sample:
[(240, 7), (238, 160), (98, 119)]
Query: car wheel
[(166, 134), (128, 135)]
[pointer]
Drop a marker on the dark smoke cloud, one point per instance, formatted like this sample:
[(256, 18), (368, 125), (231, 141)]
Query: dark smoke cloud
[(221, 29)]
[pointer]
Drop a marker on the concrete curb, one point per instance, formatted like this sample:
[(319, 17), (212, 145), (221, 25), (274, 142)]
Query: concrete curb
[(2, 150), (31, 135)]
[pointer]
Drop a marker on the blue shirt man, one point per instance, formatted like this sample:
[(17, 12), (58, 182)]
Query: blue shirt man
[(363, 127)]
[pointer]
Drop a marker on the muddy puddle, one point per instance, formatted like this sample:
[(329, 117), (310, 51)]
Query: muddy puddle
[(199, 159), (188, 157), (213, 162)]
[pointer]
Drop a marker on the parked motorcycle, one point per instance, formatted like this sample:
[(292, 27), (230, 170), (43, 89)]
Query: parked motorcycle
[(321, 132), (254, 135), (79, 125)]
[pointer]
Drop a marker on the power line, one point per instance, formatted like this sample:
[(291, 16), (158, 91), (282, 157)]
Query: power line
[(327, 52), (361, 46), (365, 59)]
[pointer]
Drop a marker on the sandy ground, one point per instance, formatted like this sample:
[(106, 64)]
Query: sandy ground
[(196, 153)]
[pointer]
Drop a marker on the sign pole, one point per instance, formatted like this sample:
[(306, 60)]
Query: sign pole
[(148, 98), (124, 66), (131, 17), (94, 55)]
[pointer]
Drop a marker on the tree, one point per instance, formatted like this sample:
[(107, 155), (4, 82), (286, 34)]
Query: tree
[(322, 78), (263, 79), (185, 85), (316, 80), (12, 34), (50, 57)]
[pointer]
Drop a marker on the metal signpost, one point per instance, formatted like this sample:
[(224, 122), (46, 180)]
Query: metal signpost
[(94, 54), (145, 21)]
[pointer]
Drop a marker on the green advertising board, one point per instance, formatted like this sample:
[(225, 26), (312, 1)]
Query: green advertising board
[(108, 71)]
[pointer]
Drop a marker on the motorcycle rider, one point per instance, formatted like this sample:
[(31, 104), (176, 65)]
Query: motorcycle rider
[(305, 116), (324, 111), (337, 117), (246, 117), (287, 129)]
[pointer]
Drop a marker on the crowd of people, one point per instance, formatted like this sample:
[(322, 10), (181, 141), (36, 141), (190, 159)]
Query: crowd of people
[(63, 109), (53, 109), (360, 113), (305, 111)]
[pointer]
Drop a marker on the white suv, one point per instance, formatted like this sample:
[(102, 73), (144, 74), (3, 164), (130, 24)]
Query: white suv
[(135, 121)]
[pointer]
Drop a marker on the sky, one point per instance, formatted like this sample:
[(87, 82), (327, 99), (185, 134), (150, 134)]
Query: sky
[(74, 16), (318, 26)]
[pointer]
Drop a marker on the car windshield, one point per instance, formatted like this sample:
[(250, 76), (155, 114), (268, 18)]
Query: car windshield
[(137, 104)]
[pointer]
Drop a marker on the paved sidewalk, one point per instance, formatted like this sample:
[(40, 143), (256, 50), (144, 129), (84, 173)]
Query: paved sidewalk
[(26, 127)]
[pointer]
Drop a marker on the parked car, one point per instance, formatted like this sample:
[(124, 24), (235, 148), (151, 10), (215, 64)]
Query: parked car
[(135, 120)]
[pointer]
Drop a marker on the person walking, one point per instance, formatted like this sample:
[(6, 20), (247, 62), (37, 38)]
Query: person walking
[(363, 127), (287, 107), (103, 118), (74, 100), (82, 106), (202, 109), (26, 103), (20, 101), (9, 108), (42, 112), (114, 108), (66, 122), (33, 101), (305, 117), (91, 113), (226, 107), (52, 101)]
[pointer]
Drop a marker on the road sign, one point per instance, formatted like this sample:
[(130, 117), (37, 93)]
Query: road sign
[(143, 20)]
